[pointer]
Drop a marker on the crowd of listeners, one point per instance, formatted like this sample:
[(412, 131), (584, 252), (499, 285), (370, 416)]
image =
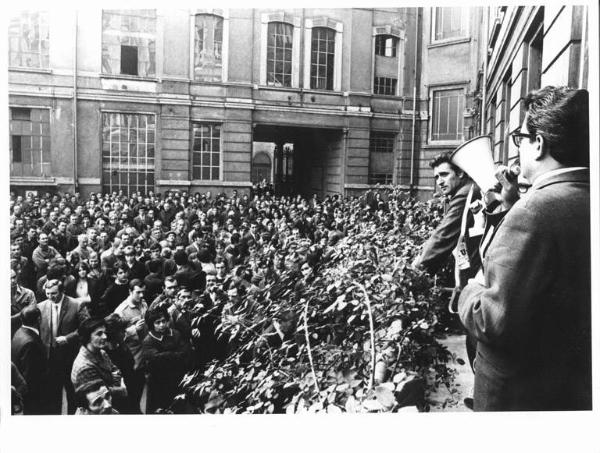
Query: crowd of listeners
[(107, 292)]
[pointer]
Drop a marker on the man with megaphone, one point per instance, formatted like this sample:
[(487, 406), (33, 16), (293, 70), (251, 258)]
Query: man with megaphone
[(459, 232), (530, 306)]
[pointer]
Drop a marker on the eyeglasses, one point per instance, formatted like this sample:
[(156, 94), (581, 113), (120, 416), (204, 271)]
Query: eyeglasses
[(517, 137)]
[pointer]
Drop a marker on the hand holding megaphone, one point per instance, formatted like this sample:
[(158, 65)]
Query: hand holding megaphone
[(506, 190)]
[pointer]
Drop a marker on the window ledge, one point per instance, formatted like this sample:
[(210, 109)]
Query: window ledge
[(445, 144), (32, 181), (205, 182), (385, 96), (128, 77), (448, 42), (28, 69)]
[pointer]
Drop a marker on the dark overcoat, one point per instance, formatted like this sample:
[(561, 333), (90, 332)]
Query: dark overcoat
[(531, 314)]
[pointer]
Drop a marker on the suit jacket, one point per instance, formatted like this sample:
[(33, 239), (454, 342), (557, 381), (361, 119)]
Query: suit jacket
[(29, 355), (531, 315), (71, 315), (438, 248)]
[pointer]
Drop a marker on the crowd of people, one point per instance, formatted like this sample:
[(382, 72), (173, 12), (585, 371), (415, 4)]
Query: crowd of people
[(109, 293)]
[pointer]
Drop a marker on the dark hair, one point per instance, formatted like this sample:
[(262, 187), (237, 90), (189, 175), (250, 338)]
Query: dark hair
[(82, 265), (561, 116), (85, 388), (56, 272), (154, 266), (114, 323), (30, 315), (120, 265), (444, 158), (87, 327), (181, 258), (135, 282), (156, 313)]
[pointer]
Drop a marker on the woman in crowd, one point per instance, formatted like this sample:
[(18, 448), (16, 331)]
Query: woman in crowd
[(166, 358), (93, 363)]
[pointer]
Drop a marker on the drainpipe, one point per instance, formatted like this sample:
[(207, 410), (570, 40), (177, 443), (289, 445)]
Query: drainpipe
[(75, 184), (414, 115), (485, 71)]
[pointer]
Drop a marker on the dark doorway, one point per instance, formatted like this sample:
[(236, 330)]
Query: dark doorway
[(305, 160)]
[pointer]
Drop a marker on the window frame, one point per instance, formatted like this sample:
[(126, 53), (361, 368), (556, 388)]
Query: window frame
[(432, 91), (395, 45), (338, 27), (211, 165), (465, 26), (128, 188), (152, 43), (224, 16), (45, 167), (44, 51), (329, 77), (377, 84), (272, 63)]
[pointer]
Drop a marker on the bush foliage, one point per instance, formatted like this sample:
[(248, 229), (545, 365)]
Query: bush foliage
[(364, 298)]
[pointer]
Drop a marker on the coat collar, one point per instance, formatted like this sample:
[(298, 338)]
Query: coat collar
[(578, 174)]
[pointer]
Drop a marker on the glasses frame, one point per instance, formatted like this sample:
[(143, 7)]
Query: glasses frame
[(517, 137)]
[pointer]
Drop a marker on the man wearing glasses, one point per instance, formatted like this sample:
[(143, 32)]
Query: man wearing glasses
[(530, 307)]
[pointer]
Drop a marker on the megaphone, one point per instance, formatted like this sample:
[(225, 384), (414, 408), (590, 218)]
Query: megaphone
[(474, 157)]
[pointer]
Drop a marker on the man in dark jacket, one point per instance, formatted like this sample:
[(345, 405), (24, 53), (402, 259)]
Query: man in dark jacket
[(457, 234), (61, 317), (29, 355), (530, 308)]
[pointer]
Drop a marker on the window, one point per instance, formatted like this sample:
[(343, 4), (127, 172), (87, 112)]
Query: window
[(129, 60), (381, 157), (385, 45), (128, 142), (450, 23), (30, 142), (447, 115), (206, 151), (208, 48), (22, 114), (16, 148), (28, 40), (129, 42), (385, 85), (279, 54), (322, 58), (381, 142), (534, 61), (380, 178)]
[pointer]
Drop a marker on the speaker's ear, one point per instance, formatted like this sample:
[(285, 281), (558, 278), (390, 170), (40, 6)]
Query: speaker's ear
[(474, 157)]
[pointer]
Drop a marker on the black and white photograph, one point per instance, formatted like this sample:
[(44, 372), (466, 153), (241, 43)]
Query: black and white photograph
[(258, 225)]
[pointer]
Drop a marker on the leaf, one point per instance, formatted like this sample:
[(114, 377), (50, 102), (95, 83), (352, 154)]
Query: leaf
[(333, 409), (352, 405), (395, 326), (387, 277), (399, 377), (331, 307), (372, 405), (385, 396)]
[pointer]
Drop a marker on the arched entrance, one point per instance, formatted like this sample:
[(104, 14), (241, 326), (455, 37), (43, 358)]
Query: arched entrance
[(261, 168)]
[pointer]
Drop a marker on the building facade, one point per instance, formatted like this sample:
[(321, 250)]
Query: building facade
[(528, 47), (326, 101)]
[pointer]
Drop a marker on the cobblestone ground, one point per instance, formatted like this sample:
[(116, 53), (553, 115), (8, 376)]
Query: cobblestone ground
[(452, 399)]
